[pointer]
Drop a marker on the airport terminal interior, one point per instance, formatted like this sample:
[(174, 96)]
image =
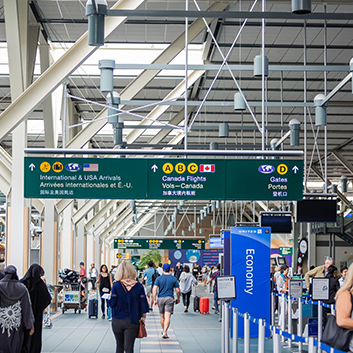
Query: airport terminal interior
[(179, 131)]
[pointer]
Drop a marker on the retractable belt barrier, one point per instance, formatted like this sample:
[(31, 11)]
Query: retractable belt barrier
[(312, 342), (306, 301)]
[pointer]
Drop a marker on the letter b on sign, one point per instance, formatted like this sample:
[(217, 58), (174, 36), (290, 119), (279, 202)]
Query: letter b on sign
[(180, 168)]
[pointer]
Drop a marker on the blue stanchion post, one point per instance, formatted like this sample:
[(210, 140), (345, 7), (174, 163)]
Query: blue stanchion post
[(261, 339), (276, 341), (319, 327), (300, 324), (311, 345), (235, 331), (246, 333), (226, 326)]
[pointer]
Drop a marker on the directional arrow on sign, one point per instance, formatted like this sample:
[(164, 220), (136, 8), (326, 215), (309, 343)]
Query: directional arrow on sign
[(295, 169), (31, 167), (154, 168)]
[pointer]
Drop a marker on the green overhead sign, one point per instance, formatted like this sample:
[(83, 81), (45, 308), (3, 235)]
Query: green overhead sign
[(163, 179), (285, 250), (161, 243)]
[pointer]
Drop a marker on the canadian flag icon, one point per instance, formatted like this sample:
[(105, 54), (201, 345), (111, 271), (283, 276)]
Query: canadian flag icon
[(207, 168)]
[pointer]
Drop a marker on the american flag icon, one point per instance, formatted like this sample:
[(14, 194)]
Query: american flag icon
[(90, 167)]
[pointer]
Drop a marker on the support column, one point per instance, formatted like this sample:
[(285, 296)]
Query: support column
[(49, 246), (21, 46), (90, 244), (80, 241), (67, 239)]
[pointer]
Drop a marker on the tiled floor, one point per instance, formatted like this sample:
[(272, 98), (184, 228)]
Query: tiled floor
[(189, 333)]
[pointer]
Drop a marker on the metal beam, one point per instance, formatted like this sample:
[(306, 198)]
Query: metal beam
[(82, 211), (20, 109), (62, 204), (234, 67), (98, 230), (107, 151), (232, 14), (118, 221), (214, 103), (343, 160), (100, 214), (178, 91), (143, 79)]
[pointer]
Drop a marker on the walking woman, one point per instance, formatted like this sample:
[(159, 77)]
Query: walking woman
[(105, 286), (186, 282), (40, 299), (344, 304), (15, 312), (129, 306)]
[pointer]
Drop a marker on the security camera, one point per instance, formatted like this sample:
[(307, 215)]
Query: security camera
[(38, 230)]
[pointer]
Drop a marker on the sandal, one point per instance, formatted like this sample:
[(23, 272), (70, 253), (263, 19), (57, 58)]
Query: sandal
[(165, 337)]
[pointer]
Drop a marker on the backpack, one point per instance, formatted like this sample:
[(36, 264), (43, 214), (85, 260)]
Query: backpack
[(155, 276)]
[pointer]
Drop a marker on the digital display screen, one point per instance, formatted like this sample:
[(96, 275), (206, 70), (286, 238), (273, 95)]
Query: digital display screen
[(216, 242), (278, 224), (316, 211)]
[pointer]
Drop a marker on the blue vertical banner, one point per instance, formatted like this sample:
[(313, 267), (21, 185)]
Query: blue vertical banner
[(226, 247), (250, 264)]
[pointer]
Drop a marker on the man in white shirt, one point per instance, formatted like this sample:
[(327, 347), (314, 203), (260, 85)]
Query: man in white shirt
[(344, 271), (159, 269), (93, 273)]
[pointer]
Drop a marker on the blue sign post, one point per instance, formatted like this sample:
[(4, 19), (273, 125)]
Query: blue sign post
[(226, 247), (250, 264)]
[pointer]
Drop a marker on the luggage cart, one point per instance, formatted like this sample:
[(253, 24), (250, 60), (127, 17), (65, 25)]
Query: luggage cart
[(72, 298)]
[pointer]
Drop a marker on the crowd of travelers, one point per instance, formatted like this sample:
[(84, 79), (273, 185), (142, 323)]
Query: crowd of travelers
[(125, 300), (340, 286)]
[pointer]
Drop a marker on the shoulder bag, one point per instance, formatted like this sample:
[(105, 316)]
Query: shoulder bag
[(142, 328), (336, 336)]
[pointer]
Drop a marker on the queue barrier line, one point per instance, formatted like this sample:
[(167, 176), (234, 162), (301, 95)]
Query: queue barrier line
[(288, 335), (305, 301)]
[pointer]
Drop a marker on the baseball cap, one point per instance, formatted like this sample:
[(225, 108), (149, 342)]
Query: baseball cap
[(166, 267), (82, 264)]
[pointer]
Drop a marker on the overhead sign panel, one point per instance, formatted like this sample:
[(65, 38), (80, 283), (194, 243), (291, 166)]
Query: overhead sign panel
[(163, 179), (161, 243)]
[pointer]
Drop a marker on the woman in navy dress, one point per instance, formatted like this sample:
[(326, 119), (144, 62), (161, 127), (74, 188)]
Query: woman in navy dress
[(129, 306)]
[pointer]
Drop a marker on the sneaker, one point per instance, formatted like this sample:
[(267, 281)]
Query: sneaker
[(103, 316), (110, 319), (216, 312)]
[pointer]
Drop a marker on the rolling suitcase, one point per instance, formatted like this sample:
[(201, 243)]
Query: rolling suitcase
[(196, 303), (93, 308), (204, 305), (93, 305)]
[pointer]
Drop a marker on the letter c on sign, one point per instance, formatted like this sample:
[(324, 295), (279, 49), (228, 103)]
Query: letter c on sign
[(193, 168)]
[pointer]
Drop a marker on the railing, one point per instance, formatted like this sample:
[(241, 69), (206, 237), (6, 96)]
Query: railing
[(279, 334)]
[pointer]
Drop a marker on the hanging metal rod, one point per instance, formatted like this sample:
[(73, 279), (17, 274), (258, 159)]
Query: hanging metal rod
[(231, 14), (108, 151), (218, 103), (207, 127), (233, 67)]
